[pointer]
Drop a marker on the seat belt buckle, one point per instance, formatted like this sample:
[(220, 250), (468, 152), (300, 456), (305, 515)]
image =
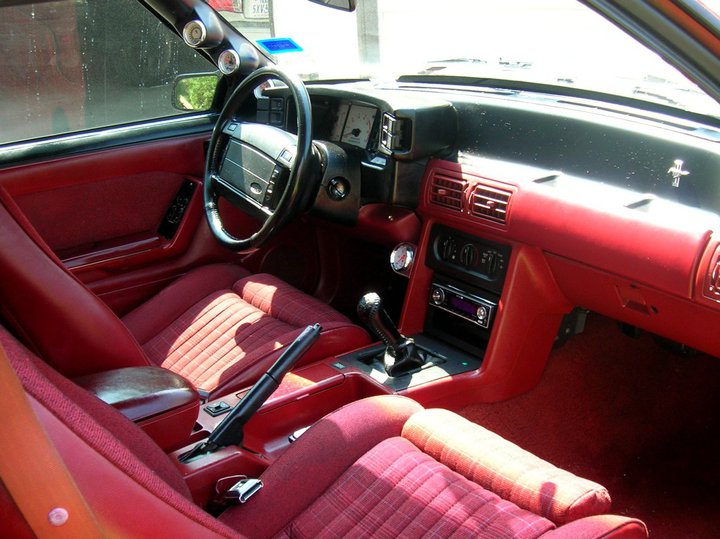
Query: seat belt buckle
[(236, 489), (244, 489)]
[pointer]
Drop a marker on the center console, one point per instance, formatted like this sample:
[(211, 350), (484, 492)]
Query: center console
[(305, 395), (461, 308)]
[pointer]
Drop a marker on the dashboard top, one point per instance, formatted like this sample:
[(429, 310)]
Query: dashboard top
[(627, 151)]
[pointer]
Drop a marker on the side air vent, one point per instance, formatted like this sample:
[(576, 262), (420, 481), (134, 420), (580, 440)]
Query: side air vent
[(447, 191), (490, 203), (712, 282)]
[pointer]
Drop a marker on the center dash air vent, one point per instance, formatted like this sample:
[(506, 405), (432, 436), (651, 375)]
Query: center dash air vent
[(490, 203), (447, 191)]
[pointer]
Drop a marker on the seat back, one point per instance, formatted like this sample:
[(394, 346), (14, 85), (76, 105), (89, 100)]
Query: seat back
[(133, 488), (53, 312)]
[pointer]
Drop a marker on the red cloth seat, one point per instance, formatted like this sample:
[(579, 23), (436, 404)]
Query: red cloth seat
[(218, 325), (379, 467), (221, 327)]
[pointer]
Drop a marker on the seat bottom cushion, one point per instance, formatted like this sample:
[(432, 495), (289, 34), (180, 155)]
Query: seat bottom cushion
[(221, 328), (396, 490)]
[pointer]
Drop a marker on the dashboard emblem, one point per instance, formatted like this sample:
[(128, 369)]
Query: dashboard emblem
[(677, 172)]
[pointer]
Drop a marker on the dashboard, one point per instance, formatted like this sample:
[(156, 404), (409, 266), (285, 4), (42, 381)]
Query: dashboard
[(619, 204)]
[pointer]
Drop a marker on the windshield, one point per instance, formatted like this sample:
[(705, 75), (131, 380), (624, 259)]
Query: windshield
[(554, 42)]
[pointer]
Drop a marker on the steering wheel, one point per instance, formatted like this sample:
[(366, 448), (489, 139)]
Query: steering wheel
[(261, 169)]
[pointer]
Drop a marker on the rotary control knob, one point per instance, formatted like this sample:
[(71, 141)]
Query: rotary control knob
[(481, 313), (448, 248), (468, 255), (437, 296)]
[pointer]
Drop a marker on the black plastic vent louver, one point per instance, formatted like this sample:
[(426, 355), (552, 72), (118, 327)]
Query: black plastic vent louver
[(448, 191), (712, 283), (490, 203), (394, 136)]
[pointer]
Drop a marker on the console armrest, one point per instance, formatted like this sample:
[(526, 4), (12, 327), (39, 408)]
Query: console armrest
[(163, 403)]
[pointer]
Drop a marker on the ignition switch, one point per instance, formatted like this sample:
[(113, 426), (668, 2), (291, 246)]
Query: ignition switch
[(338, 188)]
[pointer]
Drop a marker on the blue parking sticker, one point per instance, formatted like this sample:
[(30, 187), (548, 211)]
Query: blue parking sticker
[(279, 45)]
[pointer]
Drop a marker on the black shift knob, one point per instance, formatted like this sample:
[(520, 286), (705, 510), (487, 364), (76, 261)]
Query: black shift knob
[(401, 356), (371, 312)]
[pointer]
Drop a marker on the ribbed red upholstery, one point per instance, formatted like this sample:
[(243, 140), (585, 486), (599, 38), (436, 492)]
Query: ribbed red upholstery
[(344, 477), (504, 468), (229, 336), (153, 316), (218, 326), (316, 460), (395, 490), (106, 431)]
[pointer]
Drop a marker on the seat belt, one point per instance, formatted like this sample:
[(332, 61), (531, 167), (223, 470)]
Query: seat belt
[(33, 472)]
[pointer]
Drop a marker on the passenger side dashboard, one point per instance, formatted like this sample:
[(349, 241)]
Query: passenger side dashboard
[(609, 208)]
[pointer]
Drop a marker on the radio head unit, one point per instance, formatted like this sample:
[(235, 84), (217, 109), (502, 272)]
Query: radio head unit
[(462, 304)]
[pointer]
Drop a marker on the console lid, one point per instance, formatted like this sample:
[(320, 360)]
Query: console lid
[(163, 403)]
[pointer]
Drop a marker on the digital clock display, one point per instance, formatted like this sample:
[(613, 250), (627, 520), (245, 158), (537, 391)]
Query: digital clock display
[(462, 305)]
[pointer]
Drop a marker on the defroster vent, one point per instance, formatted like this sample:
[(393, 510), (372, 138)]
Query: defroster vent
[(490, 203), (448, 191)]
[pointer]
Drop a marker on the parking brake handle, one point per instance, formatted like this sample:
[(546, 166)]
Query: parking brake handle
[(230, 430)]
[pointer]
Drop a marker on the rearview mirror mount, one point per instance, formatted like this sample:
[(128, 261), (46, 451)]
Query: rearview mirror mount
[(343, 5)]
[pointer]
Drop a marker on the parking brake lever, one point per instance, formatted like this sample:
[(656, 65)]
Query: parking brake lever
[(230, 429), (400, 355)]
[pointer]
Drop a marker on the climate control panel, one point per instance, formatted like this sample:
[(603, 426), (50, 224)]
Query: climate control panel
[(465, 256)]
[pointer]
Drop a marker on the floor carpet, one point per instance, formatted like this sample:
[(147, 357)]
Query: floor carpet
[(631, 415)]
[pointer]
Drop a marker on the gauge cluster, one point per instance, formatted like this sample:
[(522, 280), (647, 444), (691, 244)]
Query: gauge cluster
[(354, 124)]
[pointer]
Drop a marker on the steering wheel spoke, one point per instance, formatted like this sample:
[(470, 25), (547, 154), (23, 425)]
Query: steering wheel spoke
[(263, 170)]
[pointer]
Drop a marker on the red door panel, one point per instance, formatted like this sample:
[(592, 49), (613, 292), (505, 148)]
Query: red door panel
[(101, 212), (79, 218)]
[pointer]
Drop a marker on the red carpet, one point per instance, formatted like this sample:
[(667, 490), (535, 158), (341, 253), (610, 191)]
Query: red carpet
[(634, 417)]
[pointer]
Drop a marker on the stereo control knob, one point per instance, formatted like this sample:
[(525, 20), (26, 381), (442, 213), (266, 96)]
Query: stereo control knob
[(481, 313), (437, 296)]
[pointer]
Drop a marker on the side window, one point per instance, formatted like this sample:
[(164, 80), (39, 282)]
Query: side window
[(74, 65)]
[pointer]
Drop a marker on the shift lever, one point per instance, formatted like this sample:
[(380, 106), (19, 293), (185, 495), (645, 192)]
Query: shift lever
[(400, 355)]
